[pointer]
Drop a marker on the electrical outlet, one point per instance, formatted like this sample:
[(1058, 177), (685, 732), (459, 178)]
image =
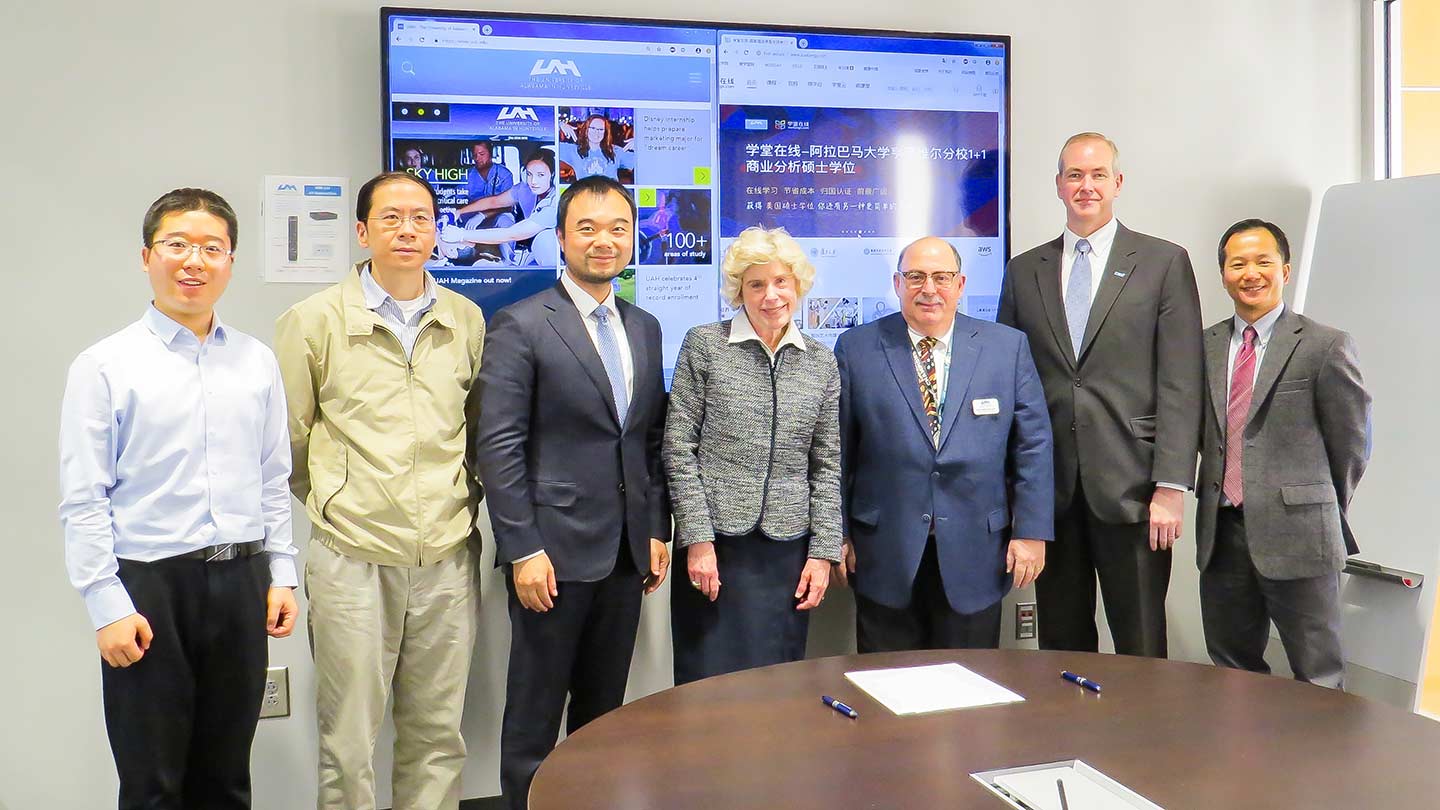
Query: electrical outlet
[(276, 700), (1024, 620)]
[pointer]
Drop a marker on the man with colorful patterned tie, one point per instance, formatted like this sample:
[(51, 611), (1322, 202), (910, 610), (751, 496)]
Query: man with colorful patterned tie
[(1287, 436), (947, 484)]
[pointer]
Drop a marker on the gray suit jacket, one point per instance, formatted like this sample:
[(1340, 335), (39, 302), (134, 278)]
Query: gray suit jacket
[(1126, 414), (1307, 439)]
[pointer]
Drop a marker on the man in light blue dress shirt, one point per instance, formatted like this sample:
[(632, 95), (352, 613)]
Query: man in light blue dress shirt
[(174, 464)]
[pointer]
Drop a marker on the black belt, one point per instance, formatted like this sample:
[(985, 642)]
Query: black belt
[(223, 552)]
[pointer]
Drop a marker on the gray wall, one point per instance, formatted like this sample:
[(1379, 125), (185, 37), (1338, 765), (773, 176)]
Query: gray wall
[(1223, 109)]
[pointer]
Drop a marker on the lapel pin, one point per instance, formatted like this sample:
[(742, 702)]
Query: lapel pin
[(1119, 274)]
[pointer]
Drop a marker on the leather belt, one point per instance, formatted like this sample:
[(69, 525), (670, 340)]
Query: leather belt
[(223, 552)]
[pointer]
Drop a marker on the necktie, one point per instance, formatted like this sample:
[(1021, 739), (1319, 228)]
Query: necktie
[(1242, 385), (610, 356), (928, 386), (1077, 295)]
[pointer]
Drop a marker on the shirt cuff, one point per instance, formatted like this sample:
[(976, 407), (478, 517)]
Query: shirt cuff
[(282, 571), (528, 556), (108, 603), (1166, 485)]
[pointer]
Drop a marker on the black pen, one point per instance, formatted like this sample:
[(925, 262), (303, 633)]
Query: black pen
[(1060, 786)]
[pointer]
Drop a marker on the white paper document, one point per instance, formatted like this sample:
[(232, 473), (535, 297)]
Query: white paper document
[(307, 229), (916, 690), (1037, 787)]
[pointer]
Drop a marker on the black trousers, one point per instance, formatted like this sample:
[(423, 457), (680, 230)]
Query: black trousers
[(928, 622), (1133, 583), (1237, 604), (182, 718), (754, 622), (581, 648)]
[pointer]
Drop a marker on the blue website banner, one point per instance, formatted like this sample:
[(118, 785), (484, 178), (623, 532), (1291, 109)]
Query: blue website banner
[(856, 173), (850, 42), (418, 70)]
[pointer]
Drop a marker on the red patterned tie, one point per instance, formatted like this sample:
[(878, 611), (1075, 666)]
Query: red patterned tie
[(1242, 385), (928, 384)]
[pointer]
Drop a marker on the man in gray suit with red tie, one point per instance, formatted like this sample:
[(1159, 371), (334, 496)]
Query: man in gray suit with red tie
[(1286, 440), (1113, 319)]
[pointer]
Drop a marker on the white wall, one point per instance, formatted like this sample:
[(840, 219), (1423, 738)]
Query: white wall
[(1223, 109)]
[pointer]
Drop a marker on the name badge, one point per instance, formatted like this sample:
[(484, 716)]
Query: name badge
[(985, 407)]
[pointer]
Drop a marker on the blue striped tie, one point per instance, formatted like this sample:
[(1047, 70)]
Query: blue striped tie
[(1077, 295), (610, 356)]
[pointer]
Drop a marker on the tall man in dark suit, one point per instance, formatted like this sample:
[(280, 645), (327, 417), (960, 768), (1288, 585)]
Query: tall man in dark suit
[(946, 464), (1113, 319), (1286, 441), (572, 408)]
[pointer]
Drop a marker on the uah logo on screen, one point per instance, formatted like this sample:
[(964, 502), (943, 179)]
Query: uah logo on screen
[(512, 113), (565, 67), (286, 187)]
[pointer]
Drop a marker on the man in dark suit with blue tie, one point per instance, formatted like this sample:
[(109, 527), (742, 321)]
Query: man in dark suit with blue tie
[(947, 478), (572, 409), (1113, 318)]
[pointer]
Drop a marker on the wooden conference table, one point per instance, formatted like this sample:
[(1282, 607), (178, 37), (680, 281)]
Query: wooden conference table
[(1182, 735)]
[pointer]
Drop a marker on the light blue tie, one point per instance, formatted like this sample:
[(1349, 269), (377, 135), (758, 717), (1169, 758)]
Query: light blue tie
[(1077, 295), (610, 356)]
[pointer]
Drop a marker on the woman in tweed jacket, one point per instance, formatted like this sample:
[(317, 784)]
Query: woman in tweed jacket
[(752, 450)]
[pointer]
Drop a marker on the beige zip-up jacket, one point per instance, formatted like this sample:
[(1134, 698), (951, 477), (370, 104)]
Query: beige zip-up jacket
[(381, 442)]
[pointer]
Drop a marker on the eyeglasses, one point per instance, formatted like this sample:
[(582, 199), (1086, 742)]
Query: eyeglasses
[(394, 222), (944, 279), (180, 250)]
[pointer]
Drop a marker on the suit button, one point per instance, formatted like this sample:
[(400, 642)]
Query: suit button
[(935, 475), (1072, 427), (622, 486), (1215, 486), (1077, 382), (926, 518)]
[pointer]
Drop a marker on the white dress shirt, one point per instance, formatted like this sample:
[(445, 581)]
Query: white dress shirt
[(167, 446), (1264, 328), (742, 330), (587, 306), (1100, 243), (940, 355)]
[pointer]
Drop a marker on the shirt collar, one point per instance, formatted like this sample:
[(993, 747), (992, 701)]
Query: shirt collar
[(1100, 240), (1263, 327), (742, 330), (167, 328), (583, 300), (376, 296), (916, 337)]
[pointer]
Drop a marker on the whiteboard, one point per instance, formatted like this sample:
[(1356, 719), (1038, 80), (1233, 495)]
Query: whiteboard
[(1375, 272)]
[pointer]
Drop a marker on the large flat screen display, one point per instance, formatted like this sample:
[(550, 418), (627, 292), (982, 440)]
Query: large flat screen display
[(855, 142)]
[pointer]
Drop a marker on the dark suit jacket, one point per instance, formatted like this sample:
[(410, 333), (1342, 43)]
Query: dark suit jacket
[(560, 473), (990, 479), (1307, 439), (1127, 414)]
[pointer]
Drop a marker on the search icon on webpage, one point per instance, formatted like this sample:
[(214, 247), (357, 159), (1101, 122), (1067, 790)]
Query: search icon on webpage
[(406, 67)]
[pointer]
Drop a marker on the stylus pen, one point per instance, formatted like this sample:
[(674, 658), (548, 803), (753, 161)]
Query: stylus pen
[(839, 707), (1060, 786), (1080, 680)]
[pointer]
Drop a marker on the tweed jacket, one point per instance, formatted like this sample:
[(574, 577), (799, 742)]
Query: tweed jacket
[(752, 444)]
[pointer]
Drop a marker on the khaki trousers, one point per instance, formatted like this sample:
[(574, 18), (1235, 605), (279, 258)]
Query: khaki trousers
[(374, 628)]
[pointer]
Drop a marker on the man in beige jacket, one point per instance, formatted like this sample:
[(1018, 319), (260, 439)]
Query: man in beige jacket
[(379, 371)]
